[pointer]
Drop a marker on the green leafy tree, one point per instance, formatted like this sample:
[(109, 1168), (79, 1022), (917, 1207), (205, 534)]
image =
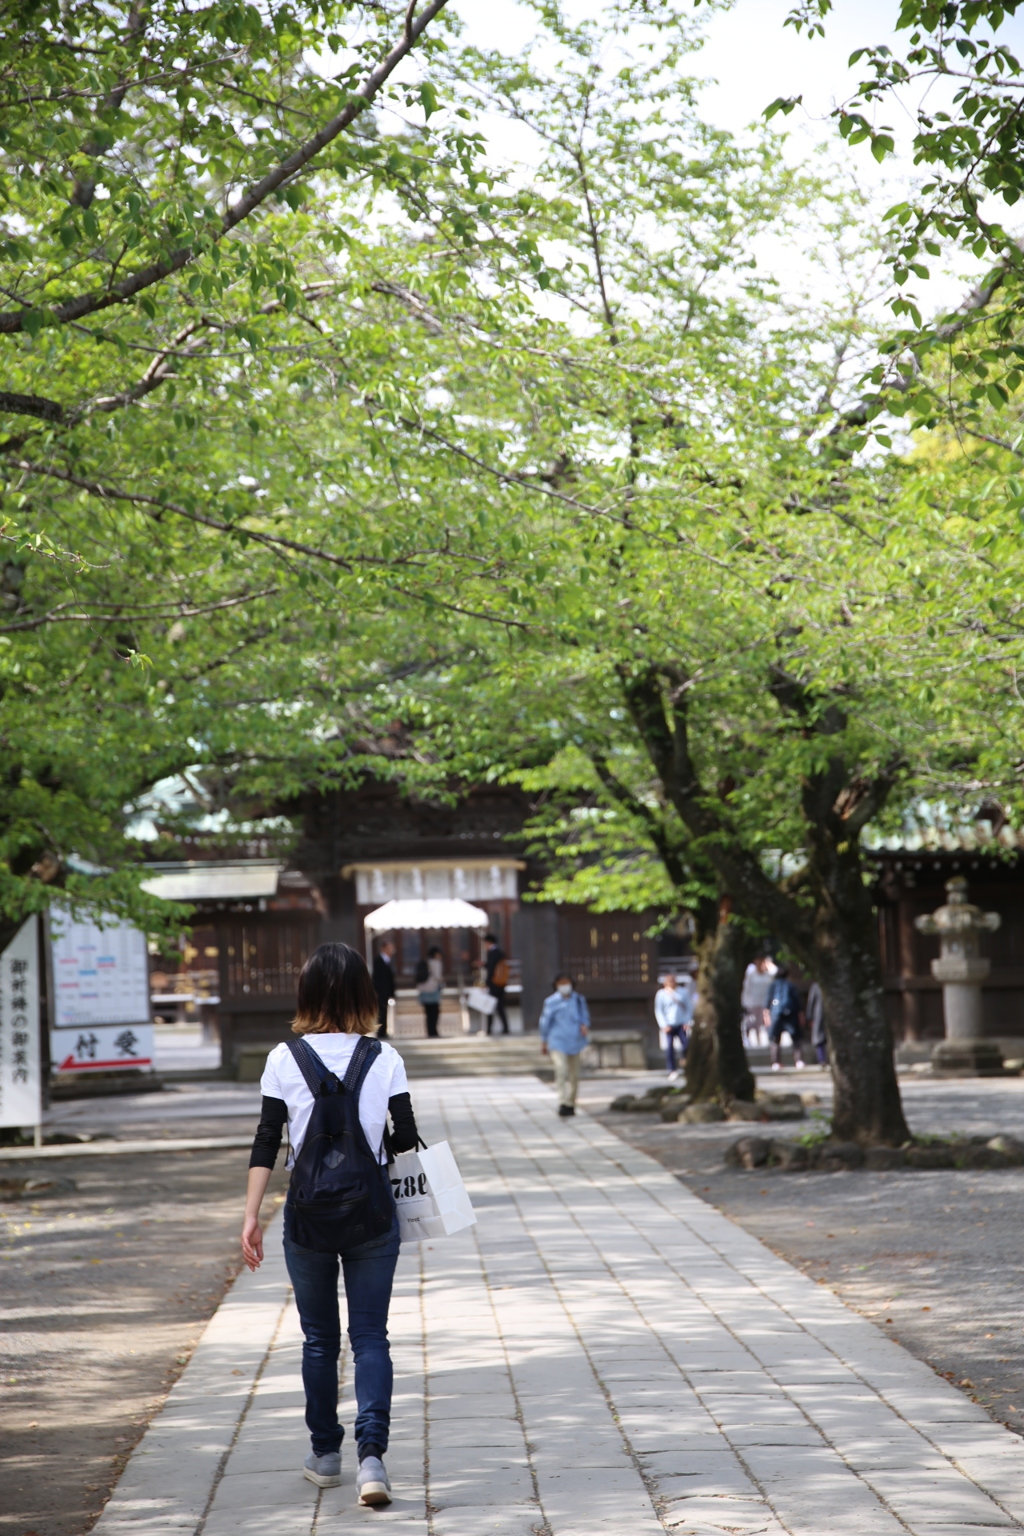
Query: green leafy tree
[(615, 845), (196, 343), (144, 140), (196, 594), (967, 136), (707, 589)]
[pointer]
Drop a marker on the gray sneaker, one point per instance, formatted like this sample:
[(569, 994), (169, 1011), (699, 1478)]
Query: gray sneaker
[(325, 1471), (372, 1482)]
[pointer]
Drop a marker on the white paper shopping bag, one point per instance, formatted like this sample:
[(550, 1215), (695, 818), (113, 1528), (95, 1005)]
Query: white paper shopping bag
[(431, 1198)]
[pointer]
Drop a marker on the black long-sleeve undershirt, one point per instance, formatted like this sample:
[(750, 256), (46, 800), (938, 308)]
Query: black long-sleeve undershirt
[(267, 1141), (404, 1136), (274, 1115)]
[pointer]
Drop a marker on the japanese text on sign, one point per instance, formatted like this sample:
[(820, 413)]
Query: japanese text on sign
[(20, 1084), (106, 1048)]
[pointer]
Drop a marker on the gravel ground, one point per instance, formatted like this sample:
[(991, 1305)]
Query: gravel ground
[(105, 1289), (933, 1258)]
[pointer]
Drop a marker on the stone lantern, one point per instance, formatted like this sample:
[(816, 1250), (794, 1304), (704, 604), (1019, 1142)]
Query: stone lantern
[(962, 969)]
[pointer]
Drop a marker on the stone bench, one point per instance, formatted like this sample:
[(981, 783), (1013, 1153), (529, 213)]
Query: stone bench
[(616, 1048)]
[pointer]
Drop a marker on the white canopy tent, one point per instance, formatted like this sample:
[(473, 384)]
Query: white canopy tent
[(436, 912), (431, 912)]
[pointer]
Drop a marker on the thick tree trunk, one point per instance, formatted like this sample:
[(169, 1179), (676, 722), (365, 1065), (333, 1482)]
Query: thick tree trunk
[(846, 961), (716, 1060), (829, 924)]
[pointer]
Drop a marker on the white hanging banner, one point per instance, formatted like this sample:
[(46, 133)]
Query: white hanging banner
[(21, 1099)]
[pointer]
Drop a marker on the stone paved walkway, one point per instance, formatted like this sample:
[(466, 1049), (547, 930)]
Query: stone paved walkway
[(604, 1353)]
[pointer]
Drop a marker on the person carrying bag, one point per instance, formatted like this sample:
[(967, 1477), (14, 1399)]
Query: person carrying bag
[(340, 1212)]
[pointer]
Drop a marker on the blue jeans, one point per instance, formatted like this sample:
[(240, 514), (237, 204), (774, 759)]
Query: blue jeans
[(786, 1025), (675, 1035), (369, 1271)]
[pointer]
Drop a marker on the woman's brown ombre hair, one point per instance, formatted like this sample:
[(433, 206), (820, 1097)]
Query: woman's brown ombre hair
[(335, 993)]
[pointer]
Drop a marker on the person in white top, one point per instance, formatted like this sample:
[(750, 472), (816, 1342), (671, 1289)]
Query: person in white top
[(337, 1009), (430, 987), (757, 980)]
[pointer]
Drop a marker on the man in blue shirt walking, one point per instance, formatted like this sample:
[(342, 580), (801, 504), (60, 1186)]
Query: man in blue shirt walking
[(673, 1009), (564, 1031)]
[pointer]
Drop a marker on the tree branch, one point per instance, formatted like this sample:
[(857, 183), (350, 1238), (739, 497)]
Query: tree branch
[(796, 698), (278, 543), (668, 852), (862, 800), (128, 615), (13, 321), (832, 800), (646, 704), (667, 744), (978, 299), (31, 405), (135, 498), (997, 442)]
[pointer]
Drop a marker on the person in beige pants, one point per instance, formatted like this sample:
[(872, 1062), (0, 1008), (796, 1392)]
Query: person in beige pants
[(564, 1031)]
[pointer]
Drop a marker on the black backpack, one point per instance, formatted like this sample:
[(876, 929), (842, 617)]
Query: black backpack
[(784, 1007), (339, 1195)]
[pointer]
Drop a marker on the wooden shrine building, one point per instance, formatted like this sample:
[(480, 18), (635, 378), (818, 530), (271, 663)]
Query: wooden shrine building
[(256, 920)]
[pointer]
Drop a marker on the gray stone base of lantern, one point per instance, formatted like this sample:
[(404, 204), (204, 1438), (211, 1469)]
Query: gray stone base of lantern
[(967, 1058), (964, 1053)]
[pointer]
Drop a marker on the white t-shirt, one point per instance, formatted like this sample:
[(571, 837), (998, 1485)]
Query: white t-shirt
[(755, 986), (282, 1080)]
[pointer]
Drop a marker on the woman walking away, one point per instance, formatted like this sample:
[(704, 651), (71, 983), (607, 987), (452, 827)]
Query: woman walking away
[(430, 987), (336, 1096), (564, 1031)]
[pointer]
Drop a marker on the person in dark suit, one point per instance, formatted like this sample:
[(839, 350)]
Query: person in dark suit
[(496, 973), (384, 983)]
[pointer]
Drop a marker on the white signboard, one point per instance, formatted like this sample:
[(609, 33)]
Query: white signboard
[(20, 1083), (100, 975), (102, 1048)]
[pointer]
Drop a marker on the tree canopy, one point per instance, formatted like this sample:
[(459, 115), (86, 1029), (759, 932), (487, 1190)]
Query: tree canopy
[(961, 82), (183, 195), (429, 465), (723, 620)]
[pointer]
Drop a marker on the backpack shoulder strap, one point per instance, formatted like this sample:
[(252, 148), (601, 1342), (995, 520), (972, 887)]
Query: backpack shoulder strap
[(309, 1064), (363, 1057)]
